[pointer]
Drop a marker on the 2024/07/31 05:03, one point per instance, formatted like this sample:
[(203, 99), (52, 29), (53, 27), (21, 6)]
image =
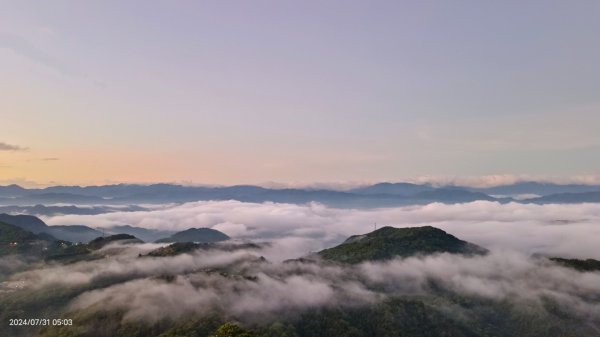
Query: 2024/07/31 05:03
[(40, 321)]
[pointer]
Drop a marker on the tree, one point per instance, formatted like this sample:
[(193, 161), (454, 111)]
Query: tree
[(233, 330)]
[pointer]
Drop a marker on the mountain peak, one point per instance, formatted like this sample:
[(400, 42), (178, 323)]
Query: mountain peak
[(199, 235), (100, 242), (388, 242)]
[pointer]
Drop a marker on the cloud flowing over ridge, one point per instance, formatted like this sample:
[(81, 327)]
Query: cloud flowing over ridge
[(256, 291)]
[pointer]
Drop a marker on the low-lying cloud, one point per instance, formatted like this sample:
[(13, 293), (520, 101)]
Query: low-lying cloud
[(557, 229), (10, 147), (237, 285)]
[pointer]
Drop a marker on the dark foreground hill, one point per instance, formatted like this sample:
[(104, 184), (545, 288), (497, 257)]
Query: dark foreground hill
[(37, 247), (198, 235), (388, 242), (44, 247), (577, 264), (37, 226), (14, 240)]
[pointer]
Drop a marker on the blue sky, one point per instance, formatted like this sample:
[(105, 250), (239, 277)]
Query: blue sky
[(297, 91)]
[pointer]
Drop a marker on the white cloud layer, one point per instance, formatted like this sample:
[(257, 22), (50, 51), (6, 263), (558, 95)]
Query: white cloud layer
[(251, 290), (565, 230)]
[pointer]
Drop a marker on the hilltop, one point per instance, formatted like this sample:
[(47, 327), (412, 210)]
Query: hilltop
[(389, 242), (198, 235), (14, 240), (100, 242), (577, 264)]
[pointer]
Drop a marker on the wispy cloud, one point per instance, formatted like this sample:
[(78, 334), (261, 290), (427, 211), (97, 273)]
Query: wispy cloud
[(504, 179), (23, 47), (11, 147)]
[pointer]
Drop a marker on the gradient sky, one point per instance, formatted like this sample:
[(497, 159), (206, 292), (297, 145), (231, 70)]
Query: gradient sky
[(229, 92)]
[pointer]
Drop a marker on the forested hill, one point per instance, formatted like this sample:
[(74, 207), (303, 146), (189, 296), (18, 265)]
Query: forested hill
[(388, 242)]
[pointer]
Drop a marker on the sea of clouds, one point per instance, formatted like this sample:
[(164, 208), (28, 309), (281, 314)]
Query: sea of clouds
[(513, 232), (554, 229), (240, 286)]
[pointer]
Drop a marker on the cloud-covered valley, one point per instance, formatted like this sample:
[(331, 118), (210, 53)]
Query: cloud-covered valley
[(240, 286), (556, 229), (252, 284)]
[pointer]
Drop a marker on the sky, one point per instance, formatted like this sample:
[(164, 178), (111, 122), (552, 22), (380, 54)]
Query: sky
[(233, 92)]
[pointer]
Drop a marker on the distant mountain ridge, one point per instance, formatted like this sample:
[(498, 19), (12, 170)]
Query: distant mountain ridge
[(42, 210), (78, 233), (377, 195), (380, 195), (26, 222)]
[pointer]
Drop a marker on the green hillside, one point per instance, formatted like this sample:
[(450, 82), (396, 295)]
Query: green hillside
[(100, 242), (580, 265), (388, 242), (14, 240), (198, 235), (175, 249)]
